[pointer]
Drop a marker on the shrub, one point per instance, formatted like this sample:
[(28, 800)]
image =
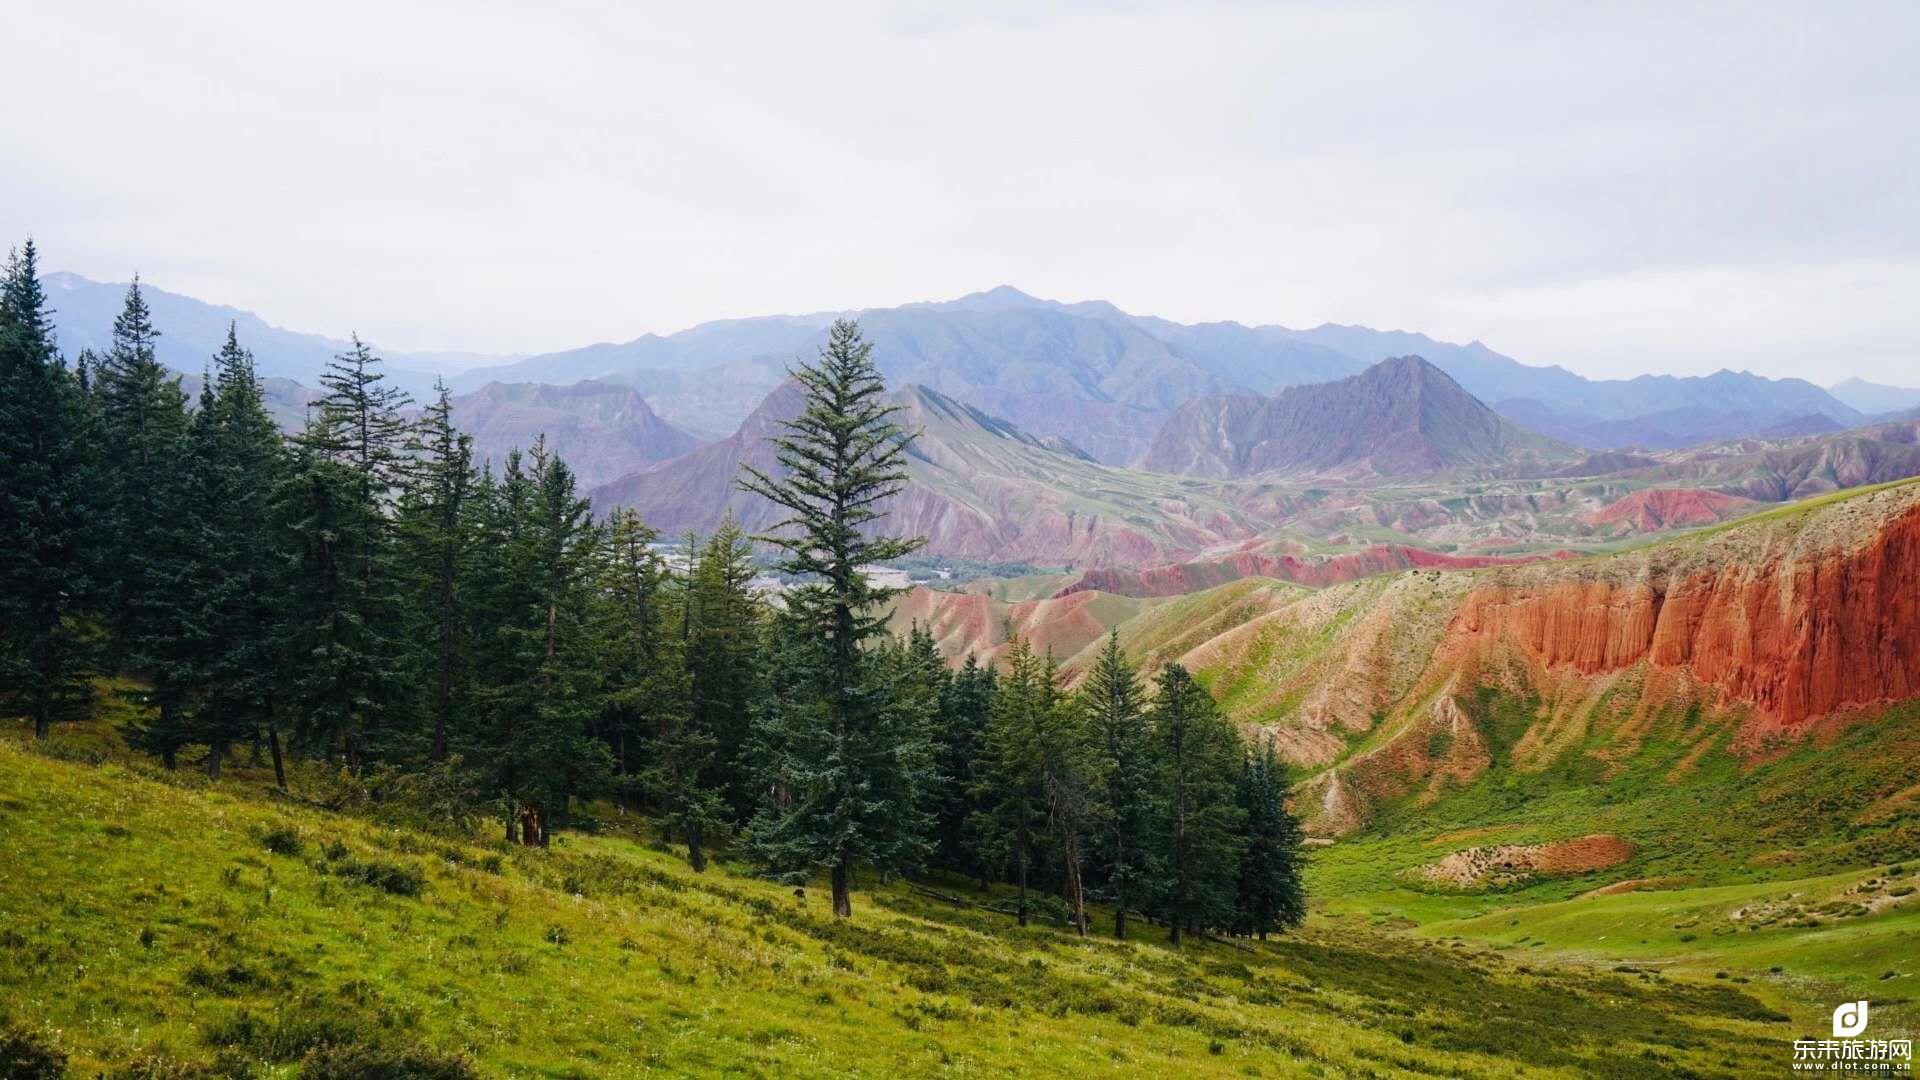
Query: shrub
[(396, 878), (359, 1061), (28, 1054), (282, 840)]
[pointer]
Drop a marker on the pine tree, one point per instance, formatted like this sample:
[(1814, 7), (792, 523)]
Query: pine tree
[(1010, 787), (960, 721), (852, 761), (544, 689), (435, 532), (697, 750), (230, 572), (330, 653), (721, 624), (1074, 772), (1271, 896), (1114, 702), (647, 687), (144, 440), (1198, 755), (46, 581), (345, 615)]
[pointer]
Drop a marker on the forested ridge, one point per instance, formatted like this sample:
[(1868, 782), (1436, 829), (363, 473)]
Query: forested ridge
[(368, 597)]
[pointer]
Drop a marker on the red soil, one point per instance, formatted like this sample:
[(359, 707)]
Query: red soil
[(1670, 508), (1798, 637)]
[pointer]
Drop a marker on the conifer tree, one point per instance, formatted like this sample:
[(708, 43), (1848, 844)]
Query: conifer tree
[(1271, 896), (721, 624), (46, 579), (345, 616), (851, 760), (1011, 773), (224, 657), (143, 433), (1198, 756), (960, 721), (1115, 706), (646, 684), (543, 690), (435, 532)]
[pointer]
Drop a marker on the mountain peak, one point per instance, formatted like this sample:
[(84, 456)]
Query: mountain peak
[(1402, 417)]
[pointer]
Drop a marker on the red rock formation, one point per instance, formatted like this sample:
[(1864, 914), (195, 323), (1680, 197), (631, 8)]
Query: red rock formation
[(1670, 508), (1797, 636)]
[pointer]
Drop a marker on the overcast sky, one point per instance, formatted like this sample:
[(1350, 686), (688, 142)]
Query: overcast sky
[(1619, 188)]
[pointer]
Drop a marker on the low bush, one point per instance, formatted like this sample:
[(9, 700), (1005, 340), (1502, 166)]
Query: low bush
[(399, 879), (359, 1061), (28, 1054)]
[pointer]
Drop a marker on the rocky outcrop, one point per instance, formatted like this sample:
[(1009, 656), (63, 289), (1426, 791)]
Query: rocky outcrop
[(1796, 619)]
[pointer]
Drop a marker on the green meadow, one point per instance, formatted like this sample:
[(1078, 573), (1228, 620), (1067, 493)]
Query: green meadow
[(154, 924)]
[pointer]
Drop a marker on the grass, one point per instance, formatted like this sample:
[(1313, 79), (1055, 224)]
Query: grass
[(146, 918)]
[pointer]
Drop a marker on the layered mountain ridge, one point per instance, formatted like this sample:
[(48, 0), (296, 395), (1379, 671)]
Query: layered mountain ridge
[(1400, 418)]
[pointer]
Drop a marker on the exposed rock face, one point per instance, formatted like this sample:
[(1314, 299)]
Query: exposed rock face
[(1670, 508), (1811, 622), (1399, 418)]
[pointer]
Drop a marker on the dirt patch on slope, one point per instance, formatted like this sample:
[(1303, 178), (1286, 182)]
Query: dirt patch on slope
[(1511, 864)]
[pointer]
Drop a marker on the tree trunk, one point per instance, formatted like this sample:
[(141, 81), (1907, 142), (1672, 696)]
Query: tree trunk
[(696, 855), (842, 890), (1023, 889), (1076, 898), (273, 744), (167, 759), (214, 753), (1173, 931)]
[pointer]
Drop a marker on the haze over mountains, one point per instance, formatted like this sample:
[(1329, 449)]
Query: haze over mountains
[(1099, 377), (1402, 417)]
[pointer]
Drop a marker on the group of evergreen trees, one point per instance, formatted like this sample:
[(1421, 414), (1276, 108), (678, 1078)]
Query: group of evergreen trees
[(366, 593)]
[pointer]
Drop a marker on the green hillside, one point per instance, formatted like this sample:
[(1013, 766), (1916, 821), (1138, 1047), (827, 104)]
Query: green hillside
[(155, 922)]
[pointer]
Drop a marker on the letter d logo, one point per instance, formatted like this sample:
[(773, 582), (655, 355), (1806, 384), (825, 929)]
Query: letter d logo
[(1849, 1019)]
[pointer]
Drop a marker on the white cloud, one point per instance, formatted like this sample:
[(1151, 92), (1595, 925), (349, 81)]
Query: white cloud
[(1619, 188)]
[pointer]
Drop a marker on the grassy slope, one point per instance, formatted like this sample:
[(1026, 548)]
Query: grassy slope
[(137, 913)]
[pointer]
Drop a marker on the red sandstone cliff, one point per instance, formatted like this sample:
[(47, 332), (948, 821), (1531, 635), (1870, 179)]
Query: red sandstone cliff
[(1798, 620)]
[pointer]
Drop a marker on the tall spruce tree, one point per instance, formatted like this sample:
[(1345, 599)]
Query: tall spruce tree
[(142, 414), (851, 760), (960, 721), (543, 688), (1271, 897), (46, 569), (344, 617), (695, 775), (646, 684), (1123, 849), (230, 573), (1198, 756), (434, 527), (1010, 776), (721, 625)]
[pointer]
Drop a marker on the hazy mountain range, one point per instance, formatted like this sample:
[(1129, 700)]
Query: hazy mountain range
[(1087, 372)]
